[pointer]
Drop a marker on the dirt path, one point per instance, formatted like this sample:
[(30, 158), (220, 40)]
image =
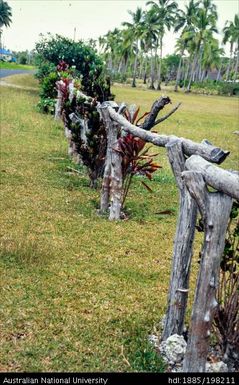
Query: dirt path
[(5, 84)]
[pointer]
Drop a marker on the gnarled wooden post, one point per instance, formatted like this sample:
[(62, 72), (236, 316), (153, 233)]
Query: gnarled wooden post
[(111, 139), (116, 183), (112, 180), (215, 210), (183, 244)]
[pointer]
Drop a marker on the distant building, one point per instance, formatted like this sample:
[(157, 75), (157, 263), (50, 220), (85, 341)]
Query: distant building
[(6, 55), (214, 75)]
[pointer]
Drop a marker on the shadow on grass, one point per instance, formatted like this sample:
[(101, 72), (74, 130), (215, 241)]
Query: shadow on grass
[(26, 255)]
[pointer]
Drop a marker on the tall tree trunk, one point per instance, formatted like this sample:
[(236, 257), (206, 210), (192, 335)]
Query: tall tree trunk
[(199, 66), (186, 73), (135, 69), (120, 65), (145, 71), (125, 66), (160, 65), (236, 66), (152, 67), (141, 67), (192, 74), (229, 66), (203, 75), (178, 73), (219, 73), (200, 70)]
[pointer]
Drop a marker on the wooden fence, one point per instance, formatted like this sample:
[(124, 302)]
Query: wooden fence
[(192, 166)]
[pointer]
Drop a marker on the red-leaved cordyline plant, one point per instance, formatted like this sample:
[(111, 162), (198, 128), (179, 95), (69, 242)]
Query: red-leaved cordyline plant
[(62, 66), (135, 160), (63, 86)]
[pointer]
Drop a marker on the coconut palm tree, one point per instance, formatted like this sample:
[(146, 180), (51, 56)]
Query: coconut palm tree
[(231, 35), (5, 17), (134, 34), (109, 44), (165, 11), (124, 51), (5, 14), (150, 41), (211, 56), (204, 24), (184, 21)]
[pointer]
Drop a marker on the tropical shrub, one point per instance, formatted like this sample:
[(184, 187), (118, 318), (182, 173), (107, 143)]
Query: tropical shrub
[(211, 87), (46, 105), (44, 69), (87, 131), (136, 160), (88, 65)]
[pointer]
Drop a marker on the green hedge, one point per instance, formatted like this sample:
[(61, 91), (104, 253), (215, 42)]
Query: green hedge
[(211, 87)]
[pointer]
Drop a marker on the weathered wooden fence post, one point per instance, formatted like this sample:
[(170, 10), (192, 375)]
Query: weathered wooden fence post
[(215, 209), (183, 244), (111, 139), (116, 183), (112, 180)]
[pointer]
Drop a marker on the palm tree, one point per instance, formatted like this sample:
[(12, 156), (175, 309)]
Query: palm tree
[(150, 41), (231, 35), (134, 35), (184, 22), (124, 50), (5, 17), (109, 43), (211, 56), (5, 14), (204, 24), (165, 11)]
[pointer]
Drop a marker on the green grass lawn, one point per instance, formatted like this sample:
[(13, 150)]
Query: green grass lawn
[(23, 80), (15, 66), (79, 293)]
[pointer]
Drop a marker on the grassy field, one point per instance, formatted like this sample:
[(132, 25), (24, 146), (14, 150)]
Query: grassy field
[(79, 293), (15, 66), (23, 80)]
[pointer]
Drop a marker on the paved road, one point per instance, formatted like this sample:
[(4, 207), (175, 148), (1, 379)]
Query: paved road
[(4, 73)]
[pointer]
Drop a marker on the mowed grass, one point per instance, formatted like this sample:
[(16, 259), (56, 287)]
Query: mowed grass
[(15, 66), (80, 293), (23, 80), (199, 117)]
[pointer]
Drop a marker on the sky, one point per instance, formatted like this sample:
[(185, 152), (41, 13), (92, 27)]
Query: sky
[(88, 18)]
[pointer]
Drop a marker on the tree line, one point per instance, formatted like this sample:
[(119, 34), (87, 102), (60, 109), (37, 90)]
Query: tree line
[(136, 49)]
